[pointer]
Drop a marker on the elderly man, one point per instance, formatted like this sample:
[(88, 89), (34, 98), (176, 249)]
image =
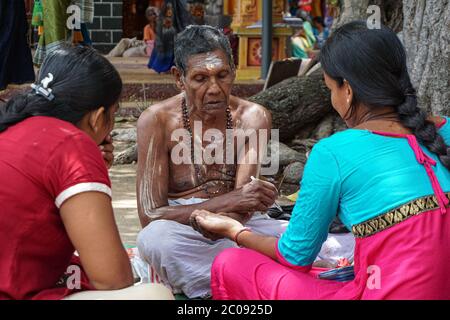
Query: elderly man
[(172, 184)]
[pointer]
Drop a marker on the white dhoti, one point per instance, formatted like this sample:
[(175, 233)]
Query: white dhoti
[(182, 257)]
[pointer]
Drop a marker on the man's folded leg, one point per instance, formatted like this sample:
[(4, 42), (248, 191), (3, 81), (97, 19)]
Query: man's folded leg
[(181, 256)]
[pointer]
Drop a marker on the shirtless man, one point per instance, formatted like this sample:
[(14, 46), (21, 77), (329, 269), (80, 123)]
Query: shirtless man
[(205, 73), (169, 191)]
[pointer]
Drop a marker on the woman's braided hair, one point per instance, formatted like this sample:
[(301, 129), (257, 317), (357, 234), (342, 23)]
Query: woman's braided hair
[(373, 61)]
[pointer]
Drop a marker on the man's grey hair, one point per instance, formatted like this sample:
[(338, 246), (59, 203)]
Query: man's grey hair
[(196, 39)]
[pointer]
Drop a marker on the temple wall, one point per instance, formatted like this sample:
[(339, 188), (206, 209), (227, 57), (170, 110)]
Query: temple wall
[(106, 30)]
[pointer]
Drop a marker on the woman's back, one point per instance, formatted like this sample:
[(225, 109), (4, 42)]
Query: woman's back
[(389, 191), (41, 159), (386, 183), (55, 193), (379, 172)]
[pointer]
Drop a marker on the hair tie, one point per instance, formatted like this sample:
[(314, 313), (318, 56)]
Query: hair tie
[(42, 89)]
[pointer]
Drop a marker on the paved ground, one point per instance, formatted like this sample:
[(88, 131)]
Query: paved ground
[(123, 178)]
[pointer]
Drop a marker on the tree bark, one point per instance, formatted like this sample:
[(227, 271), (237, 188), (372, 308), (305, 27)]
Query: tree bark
[(298, 104), (295, 103), (391, 12), (426, 38), (350, 10), (426, 26)]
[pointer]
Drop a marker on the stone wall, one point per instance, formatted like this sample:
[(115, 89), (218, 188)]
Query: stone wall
[(106, 30)]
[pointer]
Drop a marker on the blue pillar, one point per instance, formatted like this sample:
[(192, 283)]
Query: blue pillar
[(266, 38)]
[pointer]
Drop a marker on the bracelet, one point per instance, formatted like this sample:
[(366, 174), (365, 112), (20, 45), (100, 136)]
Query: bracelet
[(235, 238)]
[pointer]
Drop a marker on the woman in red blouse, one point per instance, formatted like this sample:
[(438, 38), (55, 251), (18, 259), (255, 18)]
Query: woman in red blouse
[(55, 193)]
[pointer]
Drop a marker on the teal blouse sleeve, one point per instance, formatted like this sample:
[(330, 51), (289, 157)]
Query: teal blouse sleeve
[(315, 209)]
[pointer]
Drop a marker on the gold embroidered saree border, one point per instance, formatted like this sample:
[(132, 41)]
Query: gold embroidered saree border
[(395, 216)]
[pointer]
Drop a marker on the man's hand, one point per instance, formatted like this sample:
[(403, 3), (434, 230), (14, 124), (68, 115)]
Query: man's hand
[(107, 149), (214, 226), (194, 224), (256, 195)]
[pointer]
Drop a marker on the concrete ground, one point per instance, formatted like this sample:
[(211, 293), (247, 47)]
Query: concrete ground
[(123, 178)]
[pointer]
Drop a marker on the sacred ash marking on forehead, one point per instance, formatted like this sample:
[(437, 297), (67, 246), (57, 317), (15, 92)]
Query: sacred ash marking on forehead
[(211, 61)]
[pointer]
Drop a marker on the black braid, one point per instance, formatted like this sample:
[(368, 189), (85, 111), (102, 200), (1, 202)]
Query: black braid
[(28, 105), (415, 119), (21, 107)]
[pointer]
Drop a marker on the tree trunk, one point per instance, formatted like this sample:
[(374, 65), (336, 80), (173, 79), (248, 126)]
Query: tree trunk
[(391, 13), (296, 103), (425, 25), (426, 38), (350, 10)]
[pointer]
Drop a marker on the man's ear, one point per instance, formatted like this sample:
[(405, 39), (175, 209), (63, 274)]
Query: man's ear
[(178, 77), (96, 119)]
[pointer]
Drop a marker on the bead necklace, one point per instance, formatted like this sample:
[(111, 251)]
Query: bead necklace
[(230, 170)]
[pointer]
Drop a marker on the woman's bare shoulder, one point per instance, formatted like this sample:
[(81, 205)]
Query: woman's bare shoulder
[(437, 120)]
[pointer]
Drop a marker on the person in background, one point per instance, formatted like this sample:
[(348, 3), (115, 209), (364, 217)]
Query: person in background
[(317, 8), (234, 42), (197, 11), (173, 18), (305, 6), (51, 18), (81, 36), (56, 192), (329, 13), (16, 66), (303, 41), (139, 48), (149, 31), (320, 32), (387, 178)]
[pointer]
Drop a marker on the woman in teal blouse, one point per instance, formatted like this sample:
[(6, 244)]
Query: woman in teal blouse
[(387, 178)]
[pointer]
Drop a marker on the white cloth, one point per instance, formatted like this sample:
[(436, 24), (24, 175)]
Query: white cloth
[(182, 257)]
